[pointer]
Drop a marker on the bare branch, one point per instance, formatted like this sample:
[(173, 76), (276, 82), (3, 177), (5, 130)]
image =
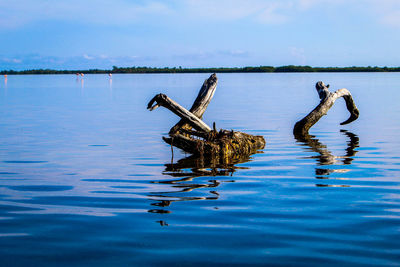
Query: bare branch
[(327, 100), (202, 140), (201, 102), (165, 101)]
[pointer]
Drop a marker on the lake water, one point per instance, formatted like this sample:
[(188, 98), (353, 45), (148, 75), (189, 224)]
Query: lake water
[(85, 178)]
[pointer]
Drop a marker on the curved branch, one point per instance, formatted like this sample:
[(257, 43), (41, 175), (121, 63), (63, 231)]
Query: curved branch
[(351, 106), (327, 100), (165, 101)]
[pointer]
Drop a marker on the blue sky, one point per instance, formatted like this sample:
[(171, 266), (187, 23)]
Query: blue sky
[(78, 34)]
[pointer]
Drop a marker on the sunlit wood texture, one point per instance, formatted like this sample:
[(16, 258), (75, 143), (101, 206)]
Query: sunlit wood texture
[(327, 100), (202, 140)]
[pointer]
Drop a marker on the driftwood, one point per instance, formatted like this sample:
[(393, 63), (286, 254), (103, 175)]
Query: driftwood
[(200, 103), (194, 136), (302, 127)]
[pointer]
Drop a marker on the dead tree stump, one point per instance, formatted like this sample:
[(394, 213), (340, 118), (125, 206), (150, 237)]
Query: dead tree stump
[(194, 136), (302, 127)]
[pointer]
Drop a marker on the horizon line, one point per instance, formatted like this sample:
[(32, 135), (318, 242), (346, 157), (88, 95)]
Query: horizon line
[(179, 69)]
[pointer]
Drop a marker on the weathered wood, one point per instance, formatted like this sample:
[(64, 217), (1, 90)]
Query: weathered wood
[(223, 143), (203, 140), (200, 103), (165, 101), (327, 100)]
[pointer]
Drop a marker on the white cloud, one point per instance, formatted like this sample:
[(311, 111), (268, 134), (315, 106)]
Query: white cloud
[(35, 61), (10, 60), (17, 13), (298, 54), (392, 19), (307, 4), (234, 53), (85, 56), (273, 14), (228, 10), (388, 11), (202, 55)]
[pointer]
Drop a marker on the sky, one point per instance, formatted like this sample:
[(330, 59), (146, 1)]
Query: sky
[(76, 34)]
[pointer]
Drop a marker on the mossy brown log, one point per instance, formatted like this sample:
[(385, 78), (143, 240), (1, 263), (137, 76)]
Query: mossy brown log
[(202, 140), (302, 127), (223, 143)]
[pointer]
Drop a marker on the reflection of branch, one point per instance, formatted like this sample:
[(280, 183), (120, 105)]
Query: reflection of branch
[(204, 166), (327, 100), (185, 171), (351, 146), (326, 157)]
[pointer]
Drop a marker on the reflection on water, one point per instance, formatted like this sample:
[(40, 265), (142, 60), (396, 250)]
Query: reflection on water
[(84, 174), (183, 185), (326, 157)]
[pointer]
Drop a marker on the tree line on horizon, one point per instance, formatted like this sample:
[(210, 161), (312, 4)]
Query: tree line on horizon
[(270, 69)]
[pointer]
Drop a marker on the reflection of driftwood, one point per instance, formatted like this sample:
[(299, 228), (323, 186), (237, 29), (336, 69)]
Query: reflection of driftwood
[(204, 166), (326, 157), (194, 136), (183, 182), (327, 100)]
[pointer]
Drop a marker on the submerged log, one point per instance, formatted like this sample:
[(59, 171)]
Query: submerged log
[(302, 127), (223, 143), (194, 136)]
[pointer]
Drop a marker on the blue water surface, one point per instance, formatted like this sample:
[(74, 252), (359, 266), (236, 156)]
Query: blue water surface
[(86, 180)]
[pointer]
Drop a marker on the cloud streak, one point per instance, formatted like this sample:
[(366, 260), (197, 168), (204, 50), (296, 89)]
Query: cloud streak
[(86, 61), (17, 13)]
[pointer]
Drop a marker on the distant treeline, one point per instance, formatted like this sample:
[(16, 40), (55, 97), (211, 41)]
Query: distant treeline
[(290, 68)]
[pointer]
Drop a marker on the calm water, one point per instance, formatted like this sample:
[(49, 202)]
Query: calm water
[(85, 178)]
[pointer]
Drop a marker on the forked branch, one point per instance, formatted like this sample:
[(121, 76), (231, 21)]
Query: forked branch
[(202, 140), (201, 102)]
